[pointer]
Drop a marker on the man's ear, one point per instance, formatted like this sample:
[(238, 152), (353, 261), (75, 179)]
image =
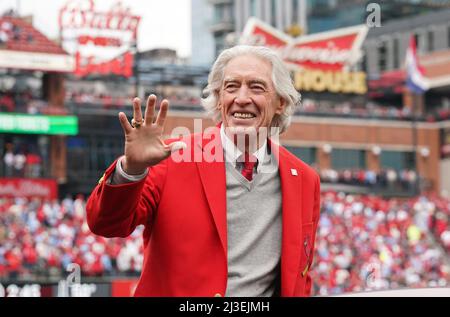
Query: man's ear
[(281, 106), (219, 105)]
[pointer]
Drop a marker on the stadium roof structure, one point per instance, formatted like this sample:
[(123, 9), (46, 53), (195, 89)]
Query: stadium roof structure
[(437, 68), (410, 23), (435, 64), (24, 47)]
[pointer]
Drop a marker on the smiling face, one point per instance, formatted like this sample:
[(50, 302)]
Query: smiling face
[(247, 97)]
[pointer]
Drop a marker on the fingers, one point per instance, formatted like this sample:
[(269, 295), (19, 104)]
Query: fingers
[(126, 126), (162, 113), (137, 113), (150, 110)]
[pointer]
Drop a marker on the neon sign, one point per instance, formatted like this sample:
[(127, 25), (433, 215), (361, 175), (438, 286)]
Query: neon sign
[(101, 42)]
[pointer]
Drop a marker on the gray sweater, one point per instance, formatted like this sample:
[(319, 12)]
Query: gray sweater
[(254, 231)]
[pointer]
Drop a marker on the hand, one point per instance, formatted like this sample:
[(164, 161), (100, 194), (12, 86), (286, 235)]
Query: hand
[(143, 144)]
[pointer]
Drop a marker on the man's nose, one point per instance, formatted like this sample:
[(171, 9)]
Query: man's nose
[(243, 96)]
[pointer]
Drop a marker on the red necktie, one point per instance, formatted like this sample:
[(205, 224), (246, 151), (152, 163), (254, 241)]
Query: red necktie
[(249, 164)]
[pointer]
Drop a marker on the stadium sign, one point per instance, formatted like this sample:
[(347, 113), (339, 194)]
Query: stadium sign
[(320, 62), (37, 124), (101, 42), (21, 187), (36, 61)]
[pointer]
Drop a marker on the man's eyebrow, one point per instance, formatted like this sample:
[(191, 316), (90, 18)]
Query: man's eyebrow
[(258, 81), (230, 80), (250, 81)]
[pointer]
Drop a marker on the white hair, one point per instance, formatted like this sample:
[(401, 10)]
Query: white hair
[(280, 77)]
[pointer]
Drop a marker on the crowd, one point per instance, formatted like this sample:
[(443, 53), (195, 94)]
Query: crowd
[(41, 238), (106, 100), (111, 102), (369, 243), (21, 162), (27, 101), (13, 101), (369, 110), (386, 178), (349, 109), (440, 114), (363, 243)]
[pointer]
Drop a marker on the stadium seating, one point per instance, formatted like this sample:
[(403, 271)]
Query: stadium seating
[(370, 243), (39, 239), (22, 36), (363, 243)]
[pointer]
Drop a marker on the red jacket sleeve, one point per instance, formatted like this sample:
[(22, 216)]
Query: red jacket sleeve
[(116, 210), (316, 217)]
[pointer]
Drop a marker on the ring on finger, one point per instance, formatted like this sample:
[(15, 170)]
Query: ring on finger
[(136, 124)]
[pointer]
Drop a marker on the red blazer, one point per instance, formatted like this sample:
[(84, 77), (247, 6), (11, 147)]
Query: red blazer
[(183, 208)]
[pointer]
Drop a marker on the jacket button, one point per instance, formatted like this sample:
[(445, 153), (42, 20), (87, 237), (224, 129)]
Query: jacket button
[(218, 295)]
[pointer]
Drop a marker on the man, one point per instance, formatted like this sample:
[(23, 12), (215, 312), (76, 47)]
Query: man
[(228, 224)]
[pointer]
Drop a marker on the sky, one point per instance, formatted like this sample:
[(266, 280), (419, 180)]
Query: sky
[(160, 26)]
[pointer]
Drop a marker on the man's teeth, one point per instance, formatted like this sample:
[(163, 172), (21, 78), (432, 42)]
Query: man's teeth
[(241, 115)]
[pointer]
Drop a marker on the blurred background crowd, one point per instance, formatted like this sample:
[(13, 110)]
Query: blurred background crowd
[(363, 243)]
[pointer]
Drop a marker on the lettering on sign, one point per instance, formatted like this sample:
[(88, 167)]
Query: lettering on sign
[(101, 42)]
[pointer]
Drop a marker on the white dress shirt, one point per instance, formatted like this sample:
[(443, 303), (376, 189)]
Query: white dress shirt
[(232, 153)]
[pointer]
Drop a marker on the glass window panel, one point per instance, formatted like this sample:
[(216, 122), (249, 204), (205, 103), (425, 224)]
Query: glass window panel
[(397, 160), (348, 158), (306, 154)]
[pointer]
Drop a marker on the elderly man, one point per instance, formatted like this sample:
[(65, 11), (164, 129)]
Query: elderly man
[(240, 224)]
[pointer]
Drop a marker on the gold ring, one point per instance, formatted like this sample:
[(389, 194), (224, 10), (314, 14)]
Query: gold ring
[(136, 124)]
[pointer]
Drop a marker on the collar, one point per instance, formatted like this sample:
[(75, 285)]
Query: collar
[(232, 153)]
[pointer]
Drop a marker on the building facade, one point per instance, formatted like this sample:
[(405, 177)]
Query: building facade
[(345, 142), (385, 47), (228, 17), (202, 39)]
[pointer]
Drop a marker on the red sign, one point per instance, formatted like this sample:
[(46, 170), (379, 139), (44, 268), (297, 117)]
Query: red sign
[(326, 51), (22, 187), (78, 14), (100, 41), (121, 66)]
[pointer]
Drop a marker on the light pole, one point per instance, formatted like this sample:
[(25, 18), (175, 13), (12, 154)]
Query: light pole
[(416, 185), (136, 69)]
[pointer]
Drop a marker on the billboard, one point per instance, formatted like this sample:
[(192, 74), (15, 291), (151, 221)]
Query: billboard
[(101, 42), (25, 187), (321, 61), (38, 124)]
